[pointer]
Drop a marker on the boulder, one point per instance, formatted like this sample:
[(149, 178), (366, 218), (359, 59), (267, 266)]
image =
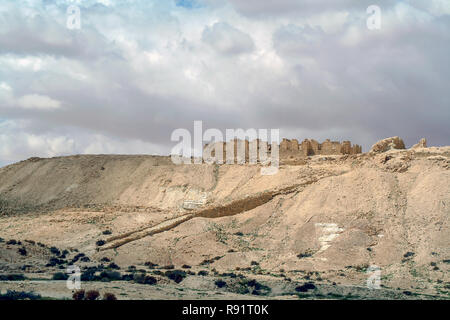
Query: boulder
[(388, 144), (422, 144)]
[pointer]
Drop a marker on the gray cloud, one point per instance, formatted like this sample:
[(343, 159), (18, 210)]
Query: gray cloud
[(135, 73)]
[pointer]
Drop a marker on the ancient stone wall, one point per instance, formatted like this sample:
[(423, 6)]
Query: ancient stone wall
[(289, 149)]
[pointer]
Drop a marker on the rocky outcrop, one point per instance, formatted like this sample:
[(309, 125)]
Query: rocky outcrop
[(421, 144), (388, 144)]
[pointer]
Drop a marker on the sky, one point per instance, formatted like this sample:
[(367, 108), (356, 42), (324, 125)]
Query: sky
[(136, 70)]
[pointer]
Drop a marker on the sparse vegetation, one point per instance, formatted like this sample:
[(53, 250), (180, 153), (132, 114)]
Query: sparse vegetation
[(220, 283), (168, 267), (109, 296), (60, 276), (305, 287), (19, 295), (100, 243), (79, 295), (22, 251), (144, 279), (176, 275), (112, 265), (307, 253), (12, 277), (92, 295), (55, 251), (150, 265), (108, 275)]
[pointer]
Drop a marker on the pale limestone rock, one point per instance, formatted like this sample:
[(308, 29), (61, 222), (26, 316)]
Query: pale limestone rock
[(388, 144), (422, 144)]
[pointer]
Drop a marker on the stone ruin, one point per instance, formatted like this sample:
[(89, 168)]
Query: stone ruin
[(288, 149)]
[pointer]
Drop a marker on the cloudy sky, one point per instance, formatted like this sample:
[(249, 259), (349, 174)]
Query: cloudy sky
[(138, 69)]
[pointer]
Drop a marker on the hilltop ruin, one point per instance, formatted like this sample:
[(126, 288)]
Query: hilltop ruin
[(288, 149)]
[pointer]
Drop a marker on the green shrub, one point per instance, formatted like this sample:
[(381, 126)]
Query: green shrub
[(12, 277), (19, 295), (220, 283), (176, 275), (60, 276)]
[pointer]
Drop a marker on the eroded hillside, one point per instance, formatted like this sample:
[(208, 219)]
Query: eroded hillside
[(333, 216)]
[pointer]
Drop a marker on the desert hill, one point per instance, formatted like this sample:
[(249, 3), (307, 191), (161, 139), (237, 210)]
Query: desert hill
[(332, 216)]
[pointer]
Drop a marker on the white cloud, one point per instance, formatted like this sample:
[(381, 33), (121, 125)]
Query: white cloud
[(38, 102), (226, 39)]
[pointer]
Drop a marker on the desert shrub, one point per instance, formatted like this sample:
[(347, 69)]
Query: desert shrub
[(100, 243), (150, 280), (158, 272), (168, 267), (240, 234), (110, 275), (92, 295), (131, 269), (107, 232), (259, 287), (254, 263), (85, 259), (408, 254), (60, 276), (220, 283), (242, 289), (144, 279), (305, 287), (229, 274), (78, 295), (12, 242), (77, 257), (19, 295), (186, 266), (151, 265), (112, 265), (139, 278), (176, 275), (109, 296), (1, 240), (127, 277), (306, 254), (55, 261), (105, 259), (89, 274), (55, 251), (203, 273), (12, 277), (22, 251), (192, 273)]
